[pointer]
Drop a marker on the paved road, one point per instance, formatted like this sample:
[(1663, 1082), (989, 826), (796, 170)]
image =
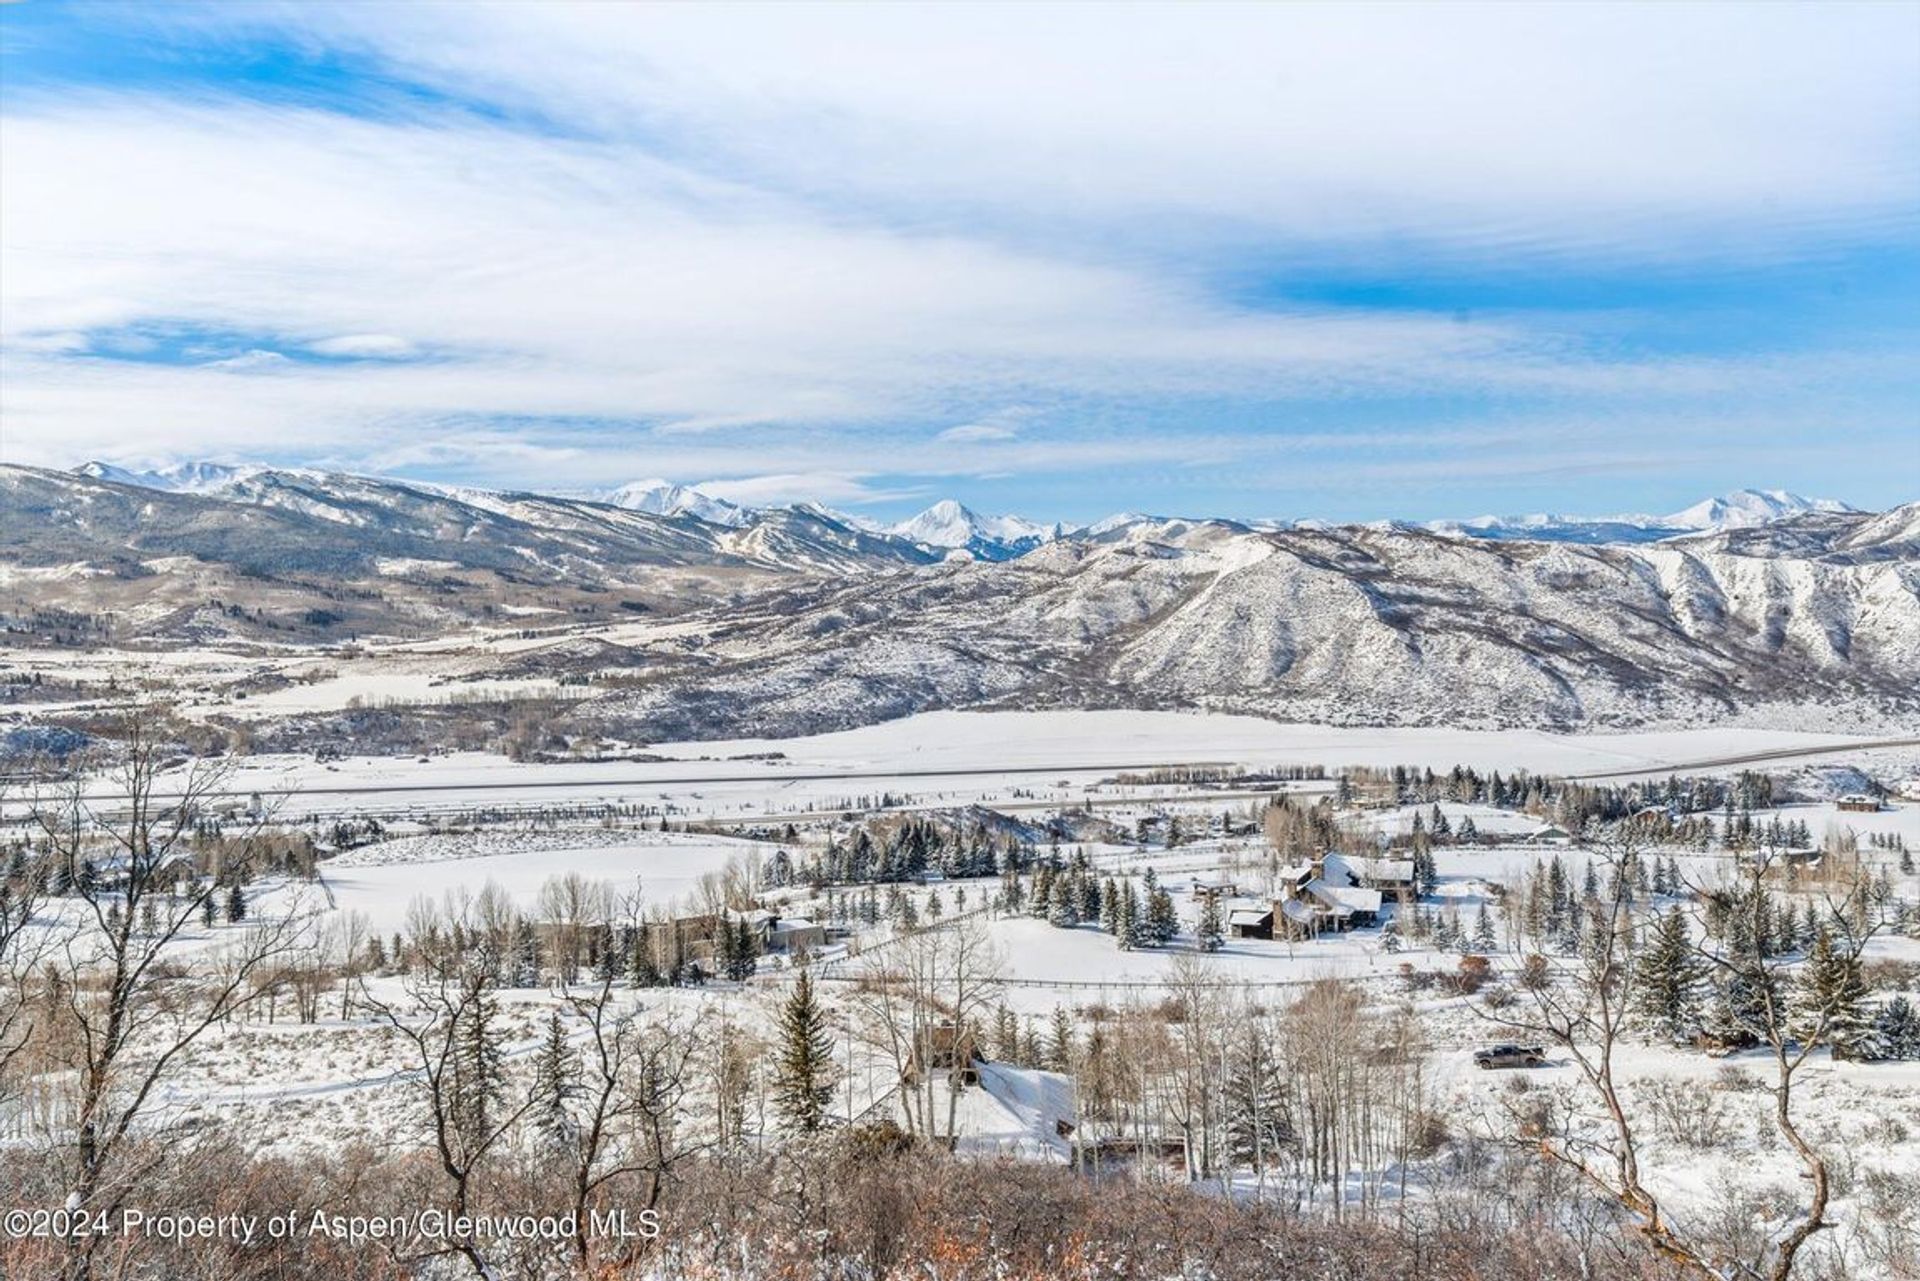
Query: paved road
[(1750, 758), (680, 780)]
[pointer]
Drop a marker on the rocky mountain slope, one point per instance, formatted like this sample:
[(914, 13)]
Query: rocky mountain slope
[(295, 555), (1811, 623), (798, 619)]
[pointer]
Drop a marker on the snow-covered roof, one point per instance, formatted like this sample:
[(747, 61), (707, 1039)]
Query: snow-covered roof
[(1297, 911), (1294, 872), (1345, 898), (1372, 869), (1249, 916)]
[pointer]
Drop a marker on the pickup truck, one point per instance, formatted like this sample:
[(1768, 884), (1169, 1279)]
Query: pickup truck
[(1510, 1056)]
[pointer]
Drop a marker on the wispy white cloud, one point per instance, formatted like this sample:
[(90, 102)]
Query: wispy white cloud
[(799, 249)]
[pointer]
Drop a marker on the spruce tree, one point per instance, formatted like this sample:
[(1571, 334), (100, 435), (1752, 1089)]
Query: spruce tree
[(478, 1074), (1899, 1030), (745, 954), (555, 1083), (1667, 981), (1209, 935), (804, 1069), (1831, 1002), (236, 902), (1060, 1043), (1484, 939), (1162, 921), (1063, 911)]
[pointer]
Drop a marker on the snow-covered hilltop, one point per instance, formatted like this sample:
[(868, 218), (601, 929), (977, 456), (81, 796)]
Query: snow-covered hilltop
[(793, 619), (949, 524)]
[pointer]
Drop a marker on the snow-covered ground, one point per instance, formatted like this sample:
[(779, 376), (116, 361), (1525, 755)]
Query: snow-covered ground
[(381, 882)]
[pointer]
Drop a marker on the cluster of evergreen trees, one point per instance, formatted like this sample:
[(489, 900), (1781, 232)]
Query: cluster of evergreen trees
[(1071, 895), (1681, 996), (1673, 810), (902, 849)]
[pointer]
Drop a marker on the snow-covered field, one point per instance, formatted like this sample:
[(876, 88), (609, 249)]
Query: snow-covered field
[(381, 882)]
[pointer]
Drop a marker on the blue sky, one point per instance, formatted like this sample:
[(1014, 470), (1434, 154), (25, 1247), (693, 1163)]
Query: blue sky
[(1343, 261)]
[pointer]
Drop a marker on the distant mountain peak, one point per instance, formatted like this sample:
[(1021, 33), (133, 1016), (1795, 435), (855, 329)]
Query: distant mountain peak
[(665, 498), (952, 525), (179, 478), (1745, 508)]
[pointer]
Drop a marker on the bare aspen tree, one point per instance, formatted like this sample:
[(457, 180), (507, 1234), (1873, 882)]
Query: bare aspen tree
[(122, 1019), (628, 1108), (445, 1024)]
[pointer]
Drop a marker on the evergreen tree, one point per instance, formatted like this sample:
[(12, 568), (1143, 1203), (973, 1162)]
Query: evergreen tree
[(1484, 939), (1210, 935), (744, 956), (1162, 921), (1898, 1027), (1667, 981), (1131, 931), (1259, 1126), (1063, 909), (1831, 1002), (556, 1077), (207, 911), (478, 1080), (804, 1069), (1060, 1043), (236, 902)]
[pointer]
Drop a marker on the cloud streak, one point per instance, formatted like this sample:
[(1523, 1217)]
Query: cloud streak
[(836, 252)]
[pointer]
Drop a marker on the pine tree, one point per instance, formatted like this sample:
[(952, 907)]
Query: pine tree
[(1063, 909), (1898, 1027), (1209, 935), (1130, 933), (1060, 1043), (1484, 939), (1831, 1002), (1667, 981), (1162, 921), (556, 1078), (478, 1079), (236, 902), (804, 1071), (207, 911), (743, 957)]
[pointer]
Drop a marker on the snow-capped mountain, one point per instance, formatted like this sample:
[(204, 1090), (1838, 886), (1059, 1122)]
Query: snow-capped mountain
[(950, 525), (1814, 626), (664, 498), (180, 478), (1745, 508), (1742, 509), (801, 620)]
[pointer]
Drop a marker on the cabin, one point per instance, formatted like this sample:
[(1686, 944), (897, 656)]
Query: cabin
[(1322, 896), (1858, 803), (1214, 889), (1250, 923), (1550, 834)]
